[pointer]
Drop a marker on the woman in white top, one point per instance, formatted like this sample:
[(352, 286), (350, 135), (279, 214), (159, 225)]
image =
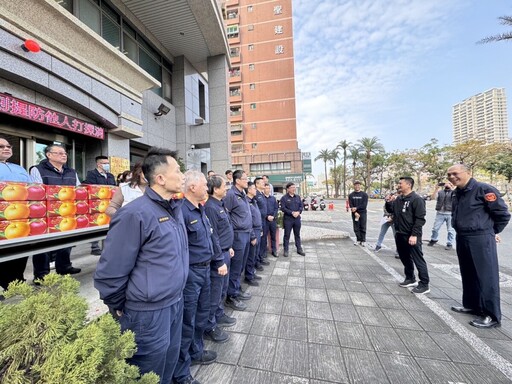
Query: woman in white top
[(128, 191)]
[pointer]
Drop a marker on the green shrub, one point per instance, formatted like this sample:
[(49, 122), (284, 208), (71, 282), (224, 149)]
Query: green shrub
[(45, 338)]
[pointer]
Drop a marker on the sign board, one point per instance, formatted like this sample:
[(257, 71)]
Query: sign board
[(306, 155), (286, 178), (33, 112), (118, 165), (306, 166)]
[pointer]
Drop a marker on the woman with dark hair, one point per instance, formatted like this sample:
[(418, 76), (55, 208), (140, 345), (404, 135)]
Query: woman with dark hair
[(124, 177), (128, 191)]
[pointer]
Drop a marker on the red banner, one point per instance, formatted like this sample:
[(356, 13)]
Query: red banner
[(33, 112)]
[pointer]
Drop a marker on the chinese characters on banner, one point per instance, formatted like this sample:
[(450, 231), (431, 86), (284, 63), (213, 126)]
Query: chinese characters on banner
[(118, 165), (33, 112)]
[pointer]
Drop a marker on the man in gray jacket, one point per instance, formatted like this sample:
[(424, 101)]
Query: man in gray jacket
[(443, 214)]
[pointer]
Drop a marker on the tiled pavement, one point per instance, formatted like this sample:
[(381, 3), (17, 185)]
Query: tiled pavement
[(339, 316)]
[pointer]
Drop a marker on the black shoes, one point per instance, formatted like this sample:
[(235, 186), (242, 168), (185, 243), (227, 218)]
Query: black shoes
[(96, 252), (421, 289), (189, 380), (252, 283), (226, 321), (256, 277), (484, 322), (448, 247), (285, 254), (265, 262), (234, 303), (461, 309), (70, 271), (431, 243), (274, 253), (207, 358), (301, 252), (217, 335), (259, 268), (408, 283), (377, 248), (244, 296)]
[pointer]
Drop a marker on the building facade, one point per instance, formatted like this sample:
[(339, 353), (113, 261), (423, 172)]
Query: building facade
[(481, 117), (262, 89), (115, 77)]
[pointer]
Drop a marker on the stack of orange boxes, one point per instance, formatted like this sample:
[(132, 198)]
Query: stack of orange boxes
[(22, 210), (99, 199), (67, 207)]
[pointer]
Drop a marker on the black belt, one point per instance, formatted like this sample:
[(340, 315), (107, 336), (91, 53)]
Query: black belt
[(227, 249), (203, 264)]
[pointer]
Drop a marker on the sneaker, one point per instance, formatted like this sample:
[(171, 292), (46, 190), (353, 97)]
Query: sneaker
[(448, 247), (421, 289), (244, 296), (226, 321), (408, 283), (216, 335), (207, 357), (377, 248), (431, 243), (252, 283), (96, 252), (361, 243), (234, 303)]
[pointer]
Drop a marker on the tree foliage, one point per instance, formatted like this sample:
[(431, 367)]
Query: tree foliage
[(504, 20), (45, 338)]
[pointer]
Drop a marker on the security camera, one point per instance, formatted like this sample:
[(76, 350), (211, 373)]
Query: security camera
[(192, 146)]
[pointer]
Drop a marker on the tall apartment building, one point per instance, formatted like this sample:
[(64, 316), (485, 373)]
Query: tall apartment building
[(262, 89), (481, 117)]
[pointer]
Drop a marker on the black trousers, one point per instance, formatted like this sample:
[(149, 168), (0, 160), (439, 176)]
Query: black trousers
[(360, 226), (12, 270), (479, 270), (410, 256)]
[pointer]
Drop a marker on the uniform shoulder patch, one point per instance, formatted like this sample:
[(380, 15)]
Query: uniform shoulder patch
[(491, 196), (163, 219)]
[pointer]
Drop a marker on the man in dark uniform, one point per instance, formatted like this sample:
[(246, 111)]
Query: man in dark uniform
[(101, 176), (358, 201), (261, 201), (196, 295), (222, 238), (144, 266), (478, 215), (240, 215), (54, 171), (272, 209), (409, 218), (250, 265), (291, 205)]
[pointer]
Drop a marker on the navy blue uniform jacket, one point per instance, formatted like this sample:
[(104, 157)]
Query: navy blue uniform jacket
[(239, 211), (291, 204), (256, 218), (222, 236), (144, 264), (199, 233), (478, 209)]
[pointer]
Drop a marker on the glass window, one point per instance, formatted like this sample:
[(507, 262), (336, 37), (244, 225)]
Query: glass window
[(252, 86), (250, 47), (250, 27), (251, 67), (253, 105), (166, 85), (90, 15), (66, 4), (130, 48), (111, 31)]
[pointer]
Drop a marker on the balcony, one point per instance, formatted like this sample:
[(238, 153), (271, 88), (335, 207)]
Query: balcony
[(235, 115), (234, 55), (234, 38), (230, 3), (232, 17), (235, 76), (235, 95)]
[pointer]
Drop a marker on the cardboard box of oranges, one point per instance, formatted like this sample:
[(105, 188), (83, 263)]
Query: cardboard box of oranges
[(67, 223), (98, 206), (13, 229), (16, 210), (96, 219), (101, 192), (15, 191)]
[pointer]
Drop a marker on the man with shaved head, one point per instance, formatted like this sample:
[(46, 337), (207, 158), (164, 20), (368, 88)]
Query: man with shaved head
[(478, 215)]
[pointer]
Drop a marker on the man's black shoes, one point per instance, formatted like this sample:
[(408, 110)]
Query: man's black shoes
[(252, 283), (226, 321), (234, 303), (301, 252), (264, 262), (484, 322), (285, 254), (70, 271), (244, 296), (408, 283), (274, 253), (216, 335), (207, 357), (462, 309)]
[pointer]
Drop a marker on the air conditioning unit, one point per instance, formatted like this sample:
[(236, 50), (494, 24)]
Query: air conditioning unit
[(199, 121)]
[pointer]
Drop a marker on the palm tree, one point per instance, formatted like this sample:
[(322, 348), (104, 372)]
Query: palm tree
[(504, 20), (344, 144), (335, 155), (370, 146), (325, 156), (355, 155)]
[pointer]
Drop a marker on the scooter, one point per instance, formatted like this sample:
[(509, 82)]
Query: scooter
[(314, 205), (322, 205), (305, 205)]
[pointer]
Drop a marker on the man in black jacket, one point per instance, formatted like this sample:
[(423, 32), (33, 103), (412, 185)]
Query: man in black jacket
[(358, 201), (100, 176), (409, 218)]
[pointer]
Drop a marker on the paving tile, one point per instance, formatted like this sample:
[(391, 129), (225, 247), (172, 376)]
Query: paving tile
[(362, 299), (372, 316), (297, 272), (312, 282), (278, 280), (282, 264), (337, 296), (348, 276), (318, 310), (334, 284), (265, 324), (253, 376), (297, 293), (215, 373), (441, 371), (294, 328), (430, 321), (366, 277), (280, 272), (322, 332), (294, 308), (410, 302), (296, 281), (271, 305), (230, 351), (345, 312), (355, 286), (331, 275), (483, 375), (315, 294), (400, 318), (386, 340), (402, 369), (277, 291), (363, 367), (243, 321), (253, 304), (386, 301), (352, 335), (326, 363), (258, 352), (421, 345), (456, 349), (376, 288), (314, 273), (292, 357)]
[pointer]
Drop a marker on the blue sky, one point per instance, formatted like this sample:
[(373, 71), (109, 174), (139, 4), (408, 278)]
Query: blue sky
[(392, 68)]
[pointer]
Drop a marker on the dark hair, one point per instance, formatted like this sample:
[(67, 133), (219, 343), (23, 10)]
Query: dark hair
[(409, 180), (48, 149), (289, 185), (213, 182), (264, 176), (210, 171), (155, 158), (237, 175), (137, 175), (121, 178), (257, 179), (100, 158), (228, 172), (250, 184)]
